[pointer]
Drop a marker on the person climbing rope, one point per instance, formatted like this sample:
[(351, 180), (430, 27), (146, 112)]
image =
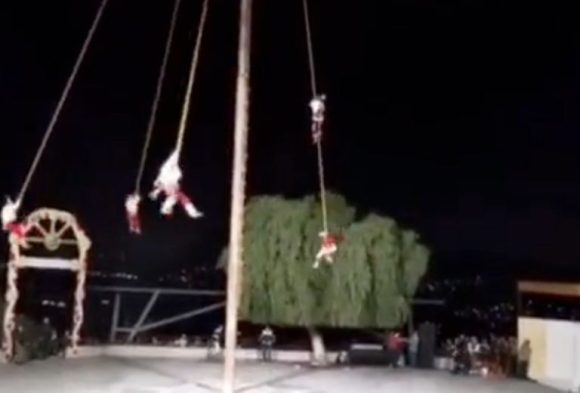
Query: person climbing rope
[(327, 250), (167, 183), (9, 218), (132, 208), (318, 108)]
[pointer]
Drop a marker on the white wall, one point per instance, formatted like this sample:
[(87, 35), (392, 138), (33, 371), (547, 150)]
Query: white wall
[(152, 351), (557, 363)]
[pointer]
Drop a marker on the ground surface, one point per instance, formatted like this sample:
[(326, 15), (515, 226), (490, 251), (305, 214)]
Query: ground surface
[(116, 375)]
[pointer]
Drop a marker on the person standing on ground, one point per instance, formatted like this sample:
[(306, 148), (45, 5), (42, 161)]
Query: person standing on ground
[(413, 349), (267, 340), (524, 356), (472, 346), (395, 345), (214, 344)]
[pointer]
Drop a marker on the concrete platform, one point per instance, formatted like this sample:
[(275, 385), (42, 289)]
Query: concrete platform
[(122, 375)]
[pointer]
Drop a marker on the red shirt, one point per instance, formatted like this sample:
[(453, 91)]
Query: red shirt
[(395, 342), (328, 241)]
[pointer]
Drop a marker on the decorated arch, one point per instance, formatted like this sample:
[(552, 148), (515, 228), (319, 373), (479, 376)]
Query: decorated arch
[(54, 240)]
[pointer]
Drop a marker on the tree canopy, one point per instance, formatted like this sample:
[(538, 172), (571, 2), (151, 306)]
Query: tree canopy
[(375, 274)]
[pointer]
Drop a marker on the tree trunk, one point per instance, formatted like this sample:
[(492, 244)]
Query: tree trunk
[(318, 350)]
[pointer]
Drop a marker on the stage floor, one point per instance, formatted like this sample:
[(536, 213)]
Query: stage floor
[(118, 375)]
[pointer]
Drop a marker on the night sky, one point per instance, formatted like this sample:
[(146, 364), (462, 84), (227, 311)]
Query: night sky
[(457, 118)]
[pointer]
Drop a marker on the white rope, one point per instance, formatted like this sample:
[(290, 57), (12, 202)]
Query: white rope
[(155, 105), (322, 187), (310, 50), (319, 152), (62, 101), (194, 61)]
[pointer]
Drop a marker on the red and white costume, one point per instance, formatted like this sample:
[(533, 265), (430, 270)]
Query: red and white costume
[(318, 108), (132, 208), (9, 218), (327, 250), (167, 182)]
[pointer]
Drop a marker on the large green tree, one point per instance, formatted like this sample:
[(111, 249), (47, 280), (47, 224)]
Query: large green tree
[(370, 285)]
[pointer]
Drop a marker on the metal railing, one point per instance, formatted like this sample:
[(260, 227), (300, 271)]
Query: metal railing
[(141, 325)]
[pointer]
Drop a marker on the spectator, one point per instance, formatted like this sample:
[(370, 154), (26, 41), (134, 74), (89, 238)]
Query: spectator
[(394, 347), (413, 349), (267, 340), (524, 356)]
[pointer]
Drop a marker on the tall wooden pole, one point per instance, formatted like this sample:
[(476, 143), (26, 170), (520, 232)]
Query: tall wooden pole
[(238, 194)]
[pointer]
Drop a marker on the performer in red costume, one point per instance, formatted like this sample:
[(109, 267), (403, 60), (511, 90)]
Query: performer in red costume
[(9, 217), (327, 250), (167, 183), (132, 208), (318, 108)]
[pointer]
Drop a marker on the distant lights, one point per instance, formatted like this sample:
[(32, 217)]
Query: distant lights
[(52, 303)]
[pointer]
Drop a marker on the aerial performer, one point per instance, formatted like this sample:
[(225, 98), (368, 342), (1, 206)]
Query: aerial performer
[(168, 184), (132, 208), (318, 108), (10, 209), (328, 241), (168, 181), (133, 200), (10, 218), (328, 247), (18, 229)]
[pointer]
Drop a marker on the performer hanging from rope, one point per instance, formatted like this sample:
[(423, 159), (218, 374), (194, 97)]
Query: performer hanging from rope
[(329, 242), (9, 218), (10, 209), (318, 108), (132, 201), (327, 250), (132, 208), (167, 183), (170, 174)]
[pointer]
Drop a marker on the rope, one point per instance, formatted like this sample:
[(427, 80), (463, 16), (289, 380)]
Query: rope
[(322, 188), (62, 100), (314, 94), (310, 50), (157, 97), (194, 61)]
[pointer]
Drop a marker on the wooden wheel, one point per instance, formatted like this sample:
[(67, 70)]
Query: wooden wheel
[(53, 229)]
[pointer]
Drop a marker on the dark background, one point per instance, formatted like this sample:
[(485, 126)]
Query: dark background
[(458, 118)]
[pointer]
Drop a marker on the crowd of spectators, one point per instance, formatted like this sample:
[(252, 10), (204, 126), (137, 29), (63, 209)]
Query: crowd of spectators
[(490, 357)]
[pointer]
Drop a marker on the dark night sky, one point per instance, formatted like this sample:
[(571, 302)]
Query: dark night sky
[(458, 118)]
